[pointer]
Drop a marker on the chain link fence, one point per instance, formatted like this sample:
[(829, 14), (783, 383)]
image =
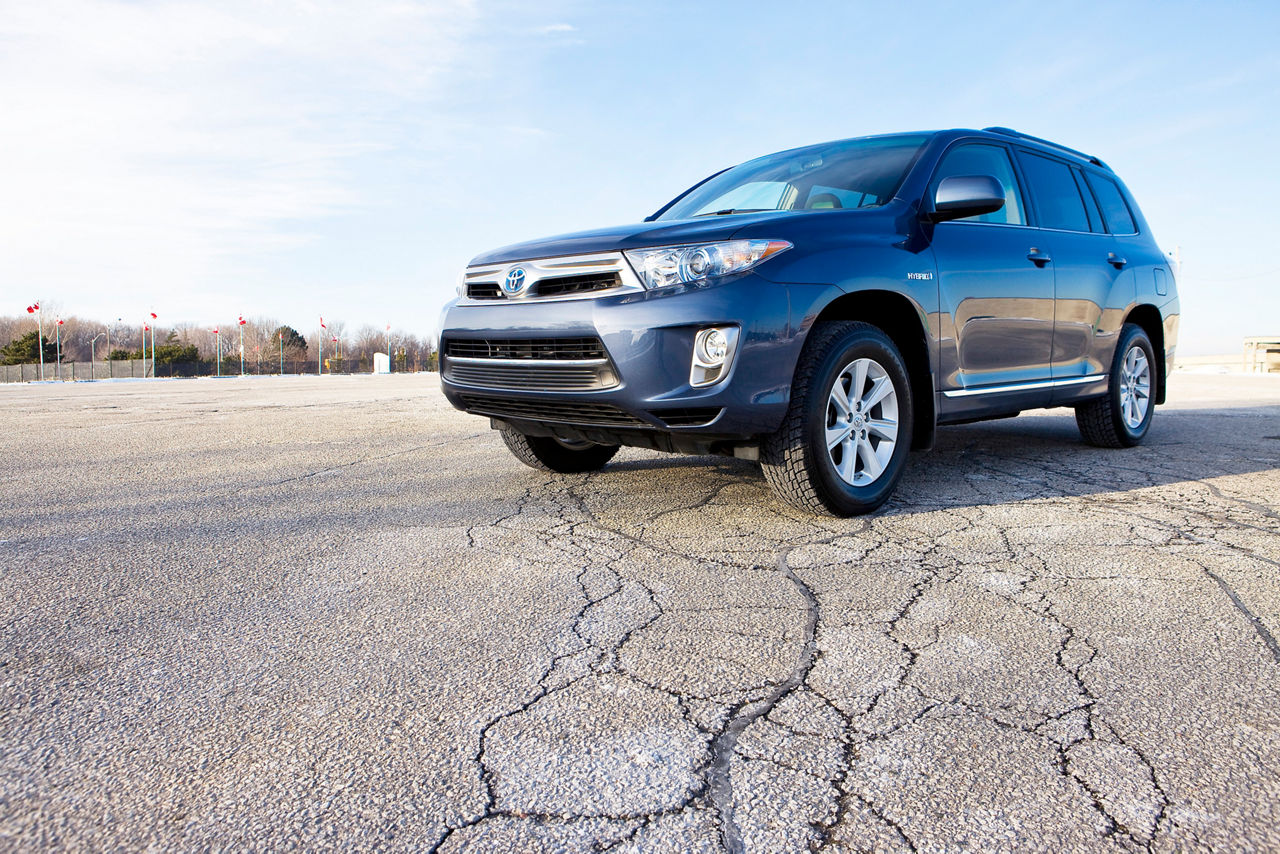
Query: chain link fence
[(139, 369)]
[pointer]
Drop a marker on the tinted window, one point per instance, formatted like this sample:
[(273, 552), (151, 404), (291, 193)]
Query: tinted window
[(1090, 206), (978, 159), (868, 171), (1114, 210), (1057, 197)]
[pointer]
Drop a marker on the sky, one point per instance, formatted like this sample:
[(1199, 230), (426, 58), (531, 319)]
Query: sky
[(295, 159)]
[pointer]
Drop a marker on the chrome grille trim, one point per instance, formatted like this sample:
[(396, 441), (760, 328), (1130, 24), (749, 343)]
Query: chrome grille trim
[(487, 279)]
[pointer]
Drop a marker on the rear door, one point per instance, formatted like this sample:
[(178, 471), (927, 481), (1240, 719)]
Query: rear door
[(1088, 272), (995, 293)]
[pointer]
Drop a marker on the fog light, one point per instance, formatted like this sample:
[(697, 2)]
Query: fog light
[(712, 347), (712, 352)]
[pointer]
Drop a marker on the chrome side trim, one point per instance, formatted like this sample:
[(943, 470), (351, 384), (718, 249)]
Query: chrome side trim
[(531, 363), (539, 269), (969, 392)]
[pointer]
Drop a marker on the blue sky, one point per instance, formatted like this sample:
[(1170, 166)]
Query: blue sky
[(294, 159)]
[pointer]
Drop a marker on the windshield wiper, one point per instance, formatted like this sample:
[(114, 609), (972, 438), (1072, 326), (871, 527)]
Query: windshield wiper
[(728, 211)]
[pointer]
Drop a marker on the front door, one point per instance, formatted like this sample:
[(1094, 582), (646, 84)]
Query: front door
[(996, 289)]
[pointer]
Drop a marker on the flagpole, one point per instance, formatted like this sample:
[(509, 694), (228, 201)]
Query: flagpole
[(40, 338)]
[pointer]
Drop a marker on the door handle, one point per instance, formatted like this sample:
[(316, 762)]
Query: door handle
[(1038, 258), (1116, 261)]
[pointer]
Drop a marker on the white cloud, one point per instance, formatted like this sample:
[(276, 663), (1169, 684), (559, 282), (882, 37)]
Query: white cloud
[(149, 146), (550, 29)]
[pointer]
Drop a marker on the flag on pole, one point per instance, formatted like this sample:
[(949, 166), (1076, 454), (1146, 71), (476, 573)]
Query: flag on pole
[(59, 321), (242, 320), (322, 326), (31, 310), (153, 316)]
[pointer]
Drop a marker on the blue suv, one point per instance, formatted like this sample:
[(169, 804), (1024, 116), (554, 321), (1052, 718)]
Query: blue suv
[(822, 310)]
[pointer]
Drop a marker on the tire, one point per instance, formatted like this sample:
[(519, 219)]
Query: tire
[(1122, 417), (548, 454), (858, 473)]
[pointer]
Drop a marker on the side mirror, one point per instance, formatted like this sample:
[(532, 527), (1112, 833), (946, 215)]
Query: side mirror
[(966, 195)]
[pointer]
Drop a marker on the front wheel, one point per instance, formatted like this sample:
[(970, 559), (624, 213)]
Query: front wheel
[(1123, 417), (558, 455), (843, 444)]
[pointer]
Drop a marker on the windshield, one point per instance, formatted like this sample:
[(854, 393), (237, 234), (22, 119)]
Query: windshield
[(856, 173)]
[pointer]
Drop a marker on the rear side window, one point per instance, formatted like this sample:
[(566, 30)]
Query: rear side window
[(1057, 197), (1090, 206), (1114, 210), (979, 159)]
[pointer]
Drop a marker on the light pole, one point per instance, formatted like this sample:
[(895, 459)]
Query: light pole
[(320, 349), (58, 364), (281, 334), (92, 359)]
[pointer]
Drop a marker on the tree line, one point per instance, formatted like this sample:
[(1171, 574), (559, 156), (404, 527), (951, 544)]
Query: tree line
[(265, 341)]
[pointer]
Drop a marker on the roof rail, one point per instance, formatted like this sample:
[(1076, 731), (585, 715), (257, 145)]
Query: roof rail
[(1011, 132)]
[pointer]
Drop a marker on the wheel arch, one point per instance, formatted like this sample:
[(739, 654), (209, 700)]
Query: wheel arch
[(1148, 317), (904, 322)]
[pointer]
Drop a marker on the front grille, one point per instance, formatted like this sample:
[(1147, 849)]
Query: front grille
[(693, 417), (551, 377), (577, 284), (525, 348), (562, 412), (484, 290)]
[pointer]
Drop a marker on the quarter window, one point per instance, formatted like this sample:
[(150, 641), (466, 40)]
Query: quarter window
[(993, 160), (1114, 210), (1058, 201)]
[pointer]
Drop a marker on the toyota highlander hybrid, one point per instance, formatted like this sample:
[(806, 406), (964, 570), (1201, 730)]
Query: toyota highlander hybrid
[(823, 310)]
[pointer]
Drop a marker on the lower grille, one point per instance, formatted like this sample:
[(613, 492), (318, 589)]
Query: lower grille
[(539, 375), (562, 412), (525, 348)]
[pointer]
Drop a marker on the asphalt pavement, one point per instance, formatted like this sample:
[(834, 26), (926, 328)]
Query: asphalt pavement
[(333, 612)]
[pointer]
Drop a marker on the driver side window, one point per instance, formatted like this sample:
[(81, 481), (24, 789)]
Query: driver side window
[(979, 159)]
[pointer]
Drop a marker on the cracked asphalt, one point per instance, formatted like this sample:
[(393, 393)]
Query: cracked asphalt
[(331, 613)]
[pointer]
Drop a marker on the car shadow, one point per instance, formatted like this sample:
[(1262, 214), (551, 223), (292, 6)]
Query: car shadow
[(1040, 455)]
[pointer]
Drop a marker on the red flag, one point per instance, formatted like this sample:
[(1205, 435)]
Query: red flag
[(322, 326), (30, 310), (59, 321), (242, 320), (36, 306), (146, 328), (153, 316), (215, 330)]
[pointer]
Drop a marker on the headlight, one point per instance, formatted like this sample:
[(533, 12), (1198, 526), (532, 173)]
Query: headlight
[(678, 265)]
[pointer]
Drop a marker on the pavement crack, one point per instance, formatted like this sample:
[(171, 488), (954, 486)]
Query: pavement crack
[(723, 747)]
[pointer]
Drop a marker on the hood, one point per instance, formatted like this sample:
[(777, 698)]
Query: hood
[(621, 237)]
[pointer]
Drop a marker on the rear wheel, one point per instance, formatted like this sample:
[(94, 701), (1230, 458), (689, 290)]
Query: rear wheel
[(843, 444), (1122, 418), (558, 455)]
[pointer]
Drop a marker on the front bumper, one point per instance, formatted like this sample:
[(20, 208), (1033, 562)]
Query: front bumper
[(648, 337)]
